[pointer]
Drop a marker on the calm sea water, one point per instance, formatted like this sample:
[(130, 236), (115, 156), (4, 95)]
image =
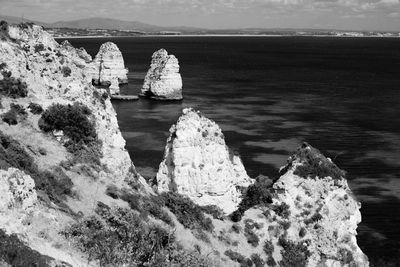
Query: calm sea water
[(269, 94)]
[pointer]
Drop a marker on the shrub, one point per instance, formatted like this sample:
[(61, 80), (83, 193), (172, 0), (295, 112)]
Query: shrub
[(256, 194), (13, 87), (268, 247), (89, 153), (3, 65), (56, 184), (72, 120), (39, 48), (35, 108), (271, 262), (214, 211), (314, 164), (66, 71), (256, 259), (16, 253), (235, 256), (236, 228), (112, 191), (293, 254), (315, 218), (188, 213), (119, 237), (302, 232), (16, 111), (252, 238), (281, 210)]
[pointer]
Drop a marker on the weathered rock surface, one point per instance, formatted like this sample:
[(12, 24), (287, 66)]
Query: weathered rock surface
[(163, 80), (319, 210), (16, 190), (108, 67), (198, 164)]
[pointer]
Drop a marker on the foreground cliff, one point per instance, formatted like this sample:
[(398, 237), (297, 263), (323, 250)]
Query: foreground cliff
[(70, 195), (163, 80)]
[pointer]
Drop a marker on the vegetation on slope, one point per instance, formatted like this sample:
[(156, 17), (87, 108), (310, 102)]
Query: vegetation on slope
[(56, 184), (11, 86)]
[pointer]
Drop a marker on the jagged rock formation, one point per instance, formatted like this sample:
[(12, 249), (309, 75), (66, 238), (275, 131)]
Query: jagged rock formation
[(163, 81), (16, 190), (108, 67), (313, 217), (198, 164)]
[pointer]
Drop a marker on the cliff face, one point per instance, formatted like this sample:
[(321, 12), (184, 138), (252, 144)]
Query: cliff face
[(163, 81), (108, 67), (198, 164)]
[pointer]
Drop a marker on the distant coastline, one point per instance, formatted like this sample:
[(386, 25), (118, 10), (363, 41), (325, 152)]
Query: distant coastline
[(221, 35)]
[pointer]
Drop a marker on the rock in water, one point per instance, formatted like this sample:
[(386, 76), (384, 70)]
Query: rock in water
[(198, 164), (109, 66), (163, 81), (318, 212)]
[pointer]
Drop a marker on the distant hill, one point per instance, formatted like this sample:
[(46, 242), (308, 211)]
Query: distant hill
[(103, 23)]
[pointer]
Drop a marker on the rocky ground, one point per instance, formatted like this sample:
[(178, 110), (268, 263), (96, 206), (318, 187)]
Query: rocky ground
[(70, 194)]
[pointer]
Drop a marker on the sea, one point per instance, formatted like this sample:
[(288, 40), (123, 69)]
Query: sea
[(270, 94)]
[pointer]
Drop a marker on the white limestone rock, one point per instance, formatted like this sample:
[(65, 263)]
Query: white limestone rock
[(313, 198), (163, 80), (198, 164), (109, 67), (16, 190)]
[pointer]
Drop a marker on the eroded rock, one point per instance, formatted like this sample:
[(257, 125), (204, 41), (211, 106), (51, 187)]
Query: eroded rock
[(163, 80), (198, 164)]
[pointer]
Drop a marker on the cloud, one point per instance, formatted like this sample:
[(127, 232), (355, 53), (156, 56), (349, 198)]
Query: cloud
[(216, 13)]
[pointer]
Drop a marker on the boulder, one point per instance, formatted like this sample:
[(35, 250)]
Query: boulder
[(163, 80), (198, 164)]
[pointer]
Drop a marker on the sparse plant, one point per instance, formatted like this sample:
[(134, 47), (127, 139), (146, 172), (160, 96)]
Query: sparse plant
[(66, 71)]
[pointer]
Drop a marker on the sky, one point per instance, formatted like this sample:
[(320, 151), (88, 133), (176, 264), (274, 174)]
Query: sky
[(317, 14)]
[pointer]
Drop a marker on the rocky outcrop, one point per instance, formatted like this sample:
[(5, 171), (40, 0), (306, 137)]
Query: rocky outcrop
[(108, 67), (163, 81), (16, 190), (198, 164), (58, 74), (314, 213)]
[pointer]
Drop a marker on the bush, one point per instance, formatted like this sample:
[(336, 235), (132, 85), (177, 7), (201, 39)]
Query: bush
[(252, 238), (256, 259), (315, 218), (72, 120), (268, 248), (56, 184), (39, 48), (256, 194), (293, 254), (236, 228), (13, 87), (235, 256), (12, 116), (281, 210), (188, 213), (66, 71), (314, 164), (118, 237), (16, 253), (214, 211), (35, 108)]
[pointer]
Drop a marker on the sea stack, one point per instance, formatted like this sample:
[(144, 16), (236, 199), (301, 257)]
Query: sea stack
[(163, 80), (108, 67), (198, 164)]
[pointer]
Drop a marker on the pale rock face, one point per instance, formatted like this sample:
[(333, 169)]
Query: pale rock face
[(42, 71), (163, 80), (108, 67), (198, 164), (16, 190), (326, 210)]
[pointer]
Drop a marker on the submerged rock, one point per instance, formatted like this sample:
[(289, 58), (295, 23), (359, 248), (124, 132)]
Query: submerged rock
[(163, 81), (198, 164), (108, 67), (316, 211)]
